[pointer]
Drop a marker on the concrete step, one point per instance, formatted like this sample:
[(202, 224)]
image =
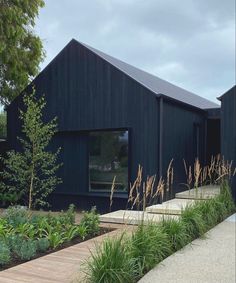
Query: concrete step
[(132, 217), (204, 192), (171, 207)]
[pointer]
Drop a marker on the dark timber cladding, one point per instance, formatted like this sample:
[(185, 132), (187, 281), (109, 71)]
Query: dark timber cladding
[(228, 128), (91, 91)]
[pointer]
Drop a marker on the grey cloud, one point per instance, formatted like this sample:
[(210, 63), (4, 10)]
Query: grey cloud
[(188, 42)]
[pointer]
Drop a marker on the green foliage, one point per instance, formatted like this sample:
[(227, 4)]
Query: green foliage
[(91, 221), (208, 212), (3, 125), (14, 242), (111, 263), (73, 231), (43, 244), (21, 50), (55, 239), (149, 245), (226, 197), (24, 233), (9, 198), (26, 249), (192, 219), (5, 254), (82, 231), (69, 215), (32, 173), (176, 232), (16, 215)]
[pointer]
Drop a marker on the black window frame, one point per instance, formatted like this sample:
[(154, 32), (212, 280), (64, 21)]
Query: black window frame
[(106, 191)]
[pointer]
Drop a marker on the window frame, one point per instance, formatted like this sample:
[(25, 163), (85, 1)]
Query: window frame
[(104, 191)]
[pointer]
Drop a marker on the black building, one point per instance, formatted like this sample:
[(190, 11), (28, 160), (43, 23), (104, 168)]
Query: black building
[(113, 117), (228, 129)]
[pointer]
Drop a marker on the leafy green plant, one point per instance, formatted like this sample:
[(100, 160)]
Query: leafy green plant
[(5, 228), (31, 172), (9, 198), (70, 214), (74, 231), (176, 232), (26, 250), (55, 239), (26, 229), (91, 221), (111, 263), (16, 215), (82, 231), (5, 254), (43, 244), (14, 242)]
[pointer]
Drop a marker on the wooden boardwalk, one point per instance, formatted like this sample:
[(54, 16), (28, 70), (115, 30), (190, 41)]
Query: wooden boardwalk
[(64, 266)]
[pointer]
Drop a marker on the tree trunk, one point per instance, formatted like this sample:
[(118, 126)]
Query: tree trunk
[(31, 179)]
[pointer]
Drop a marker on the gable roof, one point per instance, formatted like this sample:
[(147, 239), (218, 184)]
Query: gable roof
[(231, 91), (156, 85)]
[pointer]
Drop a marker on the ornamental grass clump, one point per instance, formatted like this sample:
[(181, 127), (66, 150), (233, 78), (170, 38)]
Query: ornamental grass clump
[(148, 245), (208, 212), (176, 231), (193, 221), (111, 263)]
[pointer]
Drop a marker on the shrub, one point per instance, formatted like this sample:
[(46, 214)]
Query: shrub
[(111, 263), (14, 242), (5, 254), (176, 232), (16, 215), (148, 246), (70, 214), (42, 244), (91, 221), (26, 250)]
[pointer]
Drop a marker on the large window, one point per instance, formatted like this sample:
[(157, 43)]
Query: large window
[(108, 157)]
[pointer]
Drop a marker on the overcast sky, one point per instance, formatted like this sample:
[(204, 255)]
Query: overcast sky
[(190, 43)]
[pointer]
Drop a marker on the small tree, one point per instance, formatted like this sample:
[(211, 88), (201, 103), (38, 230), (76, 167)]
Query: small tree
[(32, 172)]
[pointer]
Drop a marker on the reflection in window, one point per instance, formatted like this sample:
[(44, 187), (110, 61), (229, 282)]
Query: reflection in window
[(108, 157)]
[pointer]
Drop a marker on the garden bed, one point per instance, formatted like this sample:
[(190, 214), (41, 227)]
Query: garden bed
[(127, 258), (25, 235)]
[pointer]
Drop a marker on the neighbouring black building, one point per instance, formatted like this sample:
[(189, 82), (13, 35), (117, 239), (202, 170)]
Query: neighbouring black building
[(113, 117), (228, 129)]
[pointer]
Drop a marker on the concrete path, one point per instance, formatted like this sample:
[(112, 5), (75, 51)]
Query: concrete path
[(133, 217), (173, 206), (204, 192), (210, 260)]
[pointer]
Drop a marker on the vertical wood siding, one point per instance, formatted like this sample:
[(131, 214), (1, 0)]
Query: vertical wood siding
[(179, 139), (87, 93), (228, 129)]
